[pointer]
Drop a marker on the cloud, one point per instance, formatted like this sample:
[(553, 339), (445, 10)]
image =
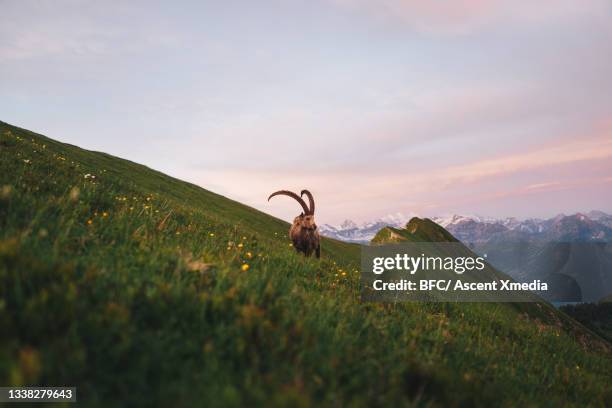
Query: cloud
[(543, 186), (44, 29), (495, 97), (590, 149), (358, 192), (459, 17)]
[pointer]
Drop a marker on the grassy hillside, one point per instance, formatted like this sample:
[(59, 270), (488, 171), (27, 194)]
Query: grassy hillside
[(141, 289)]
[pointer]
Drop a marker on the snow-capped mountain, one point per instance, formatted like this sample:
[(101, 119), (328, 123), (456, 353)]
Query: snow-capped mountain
[(349, 231), (601, 217), (591, 226), (455, 219), (576, 227)]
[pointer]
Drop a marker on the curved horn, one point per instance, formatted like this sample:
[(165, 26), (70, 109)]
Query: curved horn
[(292, 195), (310, 200)]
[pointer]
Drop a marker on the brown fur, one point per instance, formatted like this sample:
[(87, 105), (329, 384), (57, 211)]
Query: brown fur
[(303, 233)]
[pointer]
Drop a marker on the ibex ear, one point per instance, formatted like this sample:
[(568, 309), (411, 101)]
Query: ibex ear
[(302, 214)]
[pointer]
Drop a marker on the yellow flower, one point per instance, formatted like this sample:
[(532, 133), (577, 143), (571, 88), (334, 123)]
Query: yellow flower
[(105, 214), (240, 245), (5, 191), (245, 267), (89, 222), (212, 234), (249, 255), (29, 362)]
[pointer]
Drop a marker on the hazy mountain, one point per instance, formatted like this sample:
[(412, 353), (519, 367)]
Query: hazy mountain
[(575, 271), (470, 230), (587, 227), (600, 217), (561, 228)]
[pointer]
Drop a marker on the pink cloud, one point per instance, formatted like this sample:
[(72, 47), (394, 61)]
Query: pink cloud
[(552, 155), (360, 193)]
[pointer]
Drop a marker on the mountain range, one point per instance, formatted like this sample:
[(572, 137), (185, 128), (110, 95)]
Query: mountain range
[(567, 253), (593, 226)]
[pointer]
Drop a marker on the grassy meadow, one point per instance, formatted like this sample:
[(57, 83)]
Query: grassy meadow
[(140, 289)]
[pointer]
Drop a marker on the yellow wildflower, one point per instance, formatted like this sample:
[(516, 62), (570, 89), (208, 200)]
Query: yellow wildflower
[(245, 267), (5, 191)]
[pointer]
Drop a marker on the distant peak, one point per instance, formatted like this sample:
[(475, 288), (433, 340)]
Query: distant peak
[(348, 224), (416, 230)]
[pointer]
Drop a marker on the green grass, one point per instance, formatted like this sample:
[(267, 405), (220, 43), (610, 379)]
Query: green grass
[(416, 230), (131, 286)]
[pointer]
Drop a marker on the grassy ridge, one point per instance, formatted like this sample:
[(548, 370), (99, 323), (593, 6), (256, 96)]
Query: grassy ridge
[(416, 230), (139, 288)]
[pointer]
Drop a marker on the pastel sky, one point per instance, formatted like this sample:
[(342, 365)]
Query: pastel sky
[(378, 106)]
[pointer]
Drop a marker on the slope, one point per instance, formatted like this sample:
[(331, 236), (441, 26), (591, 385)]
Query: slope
[(141, 289)]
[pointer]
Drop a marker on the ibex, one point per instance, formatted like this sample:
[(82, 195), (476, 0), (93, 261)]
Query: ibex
[(303, 232)]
